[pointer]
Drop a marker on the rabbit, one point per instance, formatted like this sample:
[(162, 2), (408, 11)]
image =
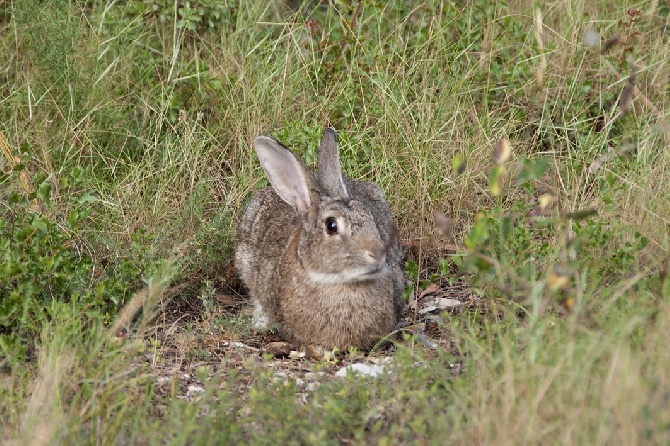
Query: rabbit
[(318, 252)]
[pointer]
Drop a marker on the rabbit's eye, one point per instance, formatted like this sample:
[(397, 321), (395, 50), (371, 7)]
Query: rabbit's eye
[(331, 226)]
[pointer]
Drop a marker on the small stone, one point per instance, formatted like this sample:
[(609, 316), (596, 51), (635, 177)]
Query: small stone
[(195, 389), (425, 340), (296, 355), (427, 309)]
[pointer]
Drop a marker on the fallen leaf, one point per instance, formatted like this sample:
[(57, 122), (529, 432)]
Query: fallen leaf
[(279, 348), (192, 390), (444, 303), (430, 289)]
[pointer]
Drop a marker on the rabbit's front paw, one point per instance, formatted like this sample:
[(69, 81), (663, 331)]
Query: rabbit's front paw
[(259, 320)]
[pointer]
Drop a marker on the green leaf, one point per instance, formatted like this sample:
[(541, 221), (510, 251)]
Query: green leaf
[(73, 218), (412, 269), (581, 214), (444, 267), (532, 170), (85, 198), (44, 191), (478, 234), (496, 179), (505, 228)]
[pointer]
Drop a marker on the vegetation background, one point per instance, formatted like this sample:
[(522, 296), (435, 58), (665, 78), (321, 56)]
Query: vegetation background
[(538, 131)]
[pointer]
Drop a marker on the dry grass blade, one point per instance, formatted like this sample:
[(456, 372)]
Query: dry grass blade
[(43, 416), (542, 65), (611, 154), (146, 299)]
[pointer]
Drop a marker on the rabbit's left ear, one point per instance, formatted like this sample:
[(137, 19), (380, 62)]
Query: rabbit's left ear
[(330, 173), (287, 175)]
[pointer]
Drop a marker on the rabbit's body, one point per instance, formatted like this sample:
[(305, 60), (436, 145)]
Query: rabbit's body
[(336, 289)]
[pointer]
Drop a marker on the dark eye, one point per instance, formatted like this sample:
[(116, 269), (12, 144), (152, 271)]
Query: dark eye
[(331, 226)]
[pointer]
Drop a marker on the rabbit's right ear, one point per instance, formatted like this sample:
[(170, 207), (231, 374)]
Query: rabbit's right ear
[(330, 173), (285, 172)]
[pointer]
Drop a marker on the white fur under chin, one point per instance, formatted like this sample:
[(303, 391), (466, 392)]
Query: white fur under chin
[(349, 276)]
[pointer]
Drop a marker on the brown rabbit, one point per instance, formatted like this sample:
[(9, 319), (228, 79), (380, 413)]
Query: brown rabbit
[(318, 252)]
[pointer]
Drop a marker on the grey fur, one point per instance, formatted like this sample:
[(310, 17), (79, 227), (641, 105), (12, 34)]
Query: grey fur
[(334, 290)]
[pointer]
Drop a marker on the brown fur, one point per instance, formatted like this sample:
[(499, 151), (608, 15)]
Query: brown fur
[(278, 247)]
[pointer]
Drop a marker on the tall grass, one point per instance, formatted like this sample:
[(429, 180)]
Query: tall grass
[(129, 129)]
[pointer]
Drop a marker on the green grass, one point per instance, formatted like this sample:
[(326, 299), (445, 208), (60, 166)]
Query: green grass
[(128, 161)]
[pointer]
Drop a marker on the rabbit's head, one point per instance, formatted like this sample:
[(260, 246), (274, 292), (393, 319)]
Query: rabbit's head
[(339, 241)]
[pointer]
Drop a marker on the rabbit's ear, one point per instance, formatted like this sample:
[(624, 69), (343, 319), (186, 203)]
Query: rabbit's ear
[(285, 172), (330, 173)]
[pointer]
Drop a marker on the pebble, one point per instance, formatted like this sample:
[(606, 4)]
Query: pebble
[(359, 368)]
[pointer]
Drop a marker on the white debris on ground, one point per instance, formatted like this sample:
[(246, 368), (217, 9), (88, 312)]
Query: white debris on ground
[(373, 370)]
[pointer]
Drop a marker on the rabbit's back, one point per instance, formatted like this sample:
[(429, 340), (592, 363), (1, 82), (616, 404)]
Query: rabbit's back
[(263, 233)]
